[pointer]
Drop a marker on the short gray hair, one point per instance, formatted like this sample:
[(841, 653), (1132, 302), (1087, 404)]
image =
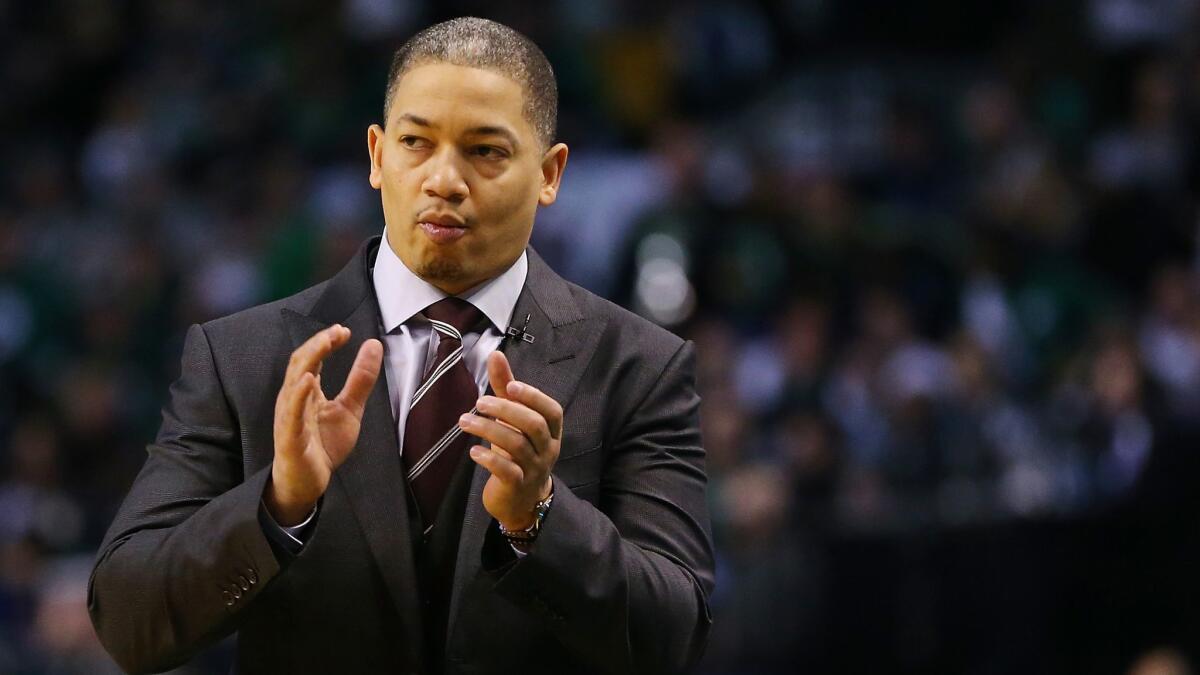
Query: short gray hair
[(481, 43)]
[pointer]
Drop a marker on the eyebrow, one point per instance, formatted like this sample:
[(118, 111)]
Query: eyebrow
[(486, 130), (494, 131)]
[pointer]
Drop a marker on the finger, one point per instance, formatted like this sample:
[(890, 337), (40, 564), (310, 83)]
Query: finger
[(513, 441), (499, 373), (519, 416), (316, 392), (539, 401), (295, 404), (313, 409), (308, 357), (362, 377), (504, 469), (499, 451)]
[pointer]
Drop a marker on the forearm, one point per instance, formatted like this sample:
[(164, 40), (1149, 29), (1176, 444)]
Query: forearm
[(626, 585), (620, 606), (163, 590)]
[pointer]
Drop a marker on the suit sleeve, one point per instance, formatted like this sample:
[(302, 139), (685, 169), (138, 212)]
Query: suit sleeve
[(186, 553), (626, 585)]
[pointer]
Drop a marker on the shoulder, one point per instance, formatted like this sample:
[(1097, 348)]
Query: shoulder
[(338, 294), (626, 332), (248, 350), (262, 320)]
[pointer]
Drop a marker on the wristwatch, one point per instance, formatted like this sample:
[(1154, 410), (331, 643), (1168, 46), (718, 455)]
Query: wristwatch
[(527, 535)]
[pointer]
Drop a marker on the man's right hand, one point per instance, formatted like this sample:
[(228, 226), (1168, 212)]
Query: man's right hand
[(313, 434)]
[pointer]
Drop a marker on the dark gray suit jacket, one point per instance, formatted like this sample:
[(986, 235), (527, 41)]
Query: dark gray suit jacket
[(618, 581)]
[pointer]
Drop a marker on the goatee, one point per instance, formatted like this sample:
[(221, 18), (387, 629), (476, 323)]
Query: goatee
[(441, 269)]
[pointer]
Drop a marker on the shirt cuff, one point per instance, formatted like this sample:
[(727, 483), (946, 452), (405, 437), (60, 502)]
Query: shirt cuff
[(291, 538), (298, 531)]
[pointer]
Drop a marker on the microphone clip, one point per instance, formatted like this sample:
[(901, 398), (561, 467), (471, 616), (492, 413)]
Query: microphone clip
[(521, 333)]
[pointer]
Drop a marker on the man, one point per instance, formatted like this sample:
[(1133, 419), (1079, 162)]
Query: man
[(331, 516)]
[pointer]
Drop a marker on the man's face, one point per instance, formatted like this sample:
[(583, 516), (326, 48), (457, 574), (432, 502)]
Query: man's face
[(461, 173)]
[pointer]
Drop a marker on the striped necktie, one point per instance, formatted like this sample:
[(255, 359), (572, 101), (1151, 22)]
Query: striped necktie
[(433, 442)]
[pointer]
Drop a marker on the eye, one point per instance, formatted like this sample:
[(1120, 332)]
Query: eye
[(414, 142), (488, 152)]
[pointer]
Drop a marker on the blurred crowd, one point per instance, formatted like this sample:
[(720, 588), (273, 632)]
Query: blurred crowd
[(938, 259)]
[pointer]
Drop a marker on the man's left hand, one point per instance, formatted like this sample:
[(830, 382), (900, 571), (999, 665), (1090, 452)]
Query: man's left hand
[(524, 427)]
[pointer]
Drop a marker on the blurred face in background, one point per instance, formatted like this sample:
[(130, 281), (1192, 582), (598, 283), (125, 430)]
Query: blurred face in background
[(461, 173)]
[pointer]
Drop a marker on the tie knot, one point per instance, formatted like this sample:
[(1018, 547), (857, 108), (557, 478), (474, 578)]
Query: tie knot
[(454, 316)]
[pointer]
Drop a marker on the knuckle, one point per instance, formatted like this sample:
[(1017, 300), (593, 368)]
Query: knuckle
[(525, 451)]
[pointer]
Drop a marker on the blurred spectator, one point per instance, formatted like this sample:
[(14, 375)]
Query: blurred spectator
[(938, 259)]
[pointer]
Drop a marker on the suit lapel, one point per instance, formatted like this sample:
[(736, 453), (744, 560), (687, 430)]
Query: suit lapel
[(563, 342), (372, 476)]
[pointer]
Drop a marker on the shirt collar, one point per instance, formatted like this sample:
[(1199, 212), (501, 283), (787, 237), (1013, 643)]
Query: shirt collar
[(402, 294)]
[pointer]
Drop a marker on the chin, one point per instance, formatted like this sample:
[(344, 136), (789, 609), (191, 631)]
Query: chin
[(441, 270)]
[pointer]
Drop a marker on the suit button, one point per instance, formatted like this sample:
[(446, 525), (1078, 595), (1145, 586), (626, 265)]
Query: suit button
[(243, 583), (237, 592), (252, 575), (229, 599)]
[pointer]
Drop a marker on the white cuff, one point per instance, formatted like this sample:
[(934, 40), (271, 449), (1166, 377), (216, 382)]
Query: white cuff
[(294, 532)]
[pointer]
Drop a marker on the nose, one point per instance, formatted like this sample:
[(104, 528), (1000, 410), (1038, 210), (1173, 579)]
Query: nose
[(445, 177)]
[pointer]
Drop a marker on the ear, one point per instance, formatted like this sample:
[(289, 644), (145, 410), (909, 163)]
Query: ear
[(553, 163), (375, 143)]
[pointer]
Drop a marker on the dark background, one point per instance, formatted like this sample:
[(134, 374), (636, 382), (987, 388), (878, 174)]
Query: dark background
[(938, 259)]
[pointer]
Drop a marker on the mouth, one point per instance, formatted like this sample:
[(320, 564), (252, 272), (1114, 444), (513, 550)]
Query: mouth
[(442, 229)]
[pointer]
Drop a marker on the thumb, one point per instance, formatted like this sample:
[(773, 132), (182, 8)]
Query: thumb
[(499, 373), (361, 379)]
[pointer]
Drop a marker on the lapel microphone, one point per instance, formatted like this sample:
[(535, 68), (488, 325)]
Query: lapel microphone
[(524, 335)]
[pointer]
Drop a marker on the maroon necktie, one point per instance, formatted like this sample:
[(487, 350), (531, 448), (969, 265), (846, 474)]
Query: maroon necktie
[(433, 442)]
